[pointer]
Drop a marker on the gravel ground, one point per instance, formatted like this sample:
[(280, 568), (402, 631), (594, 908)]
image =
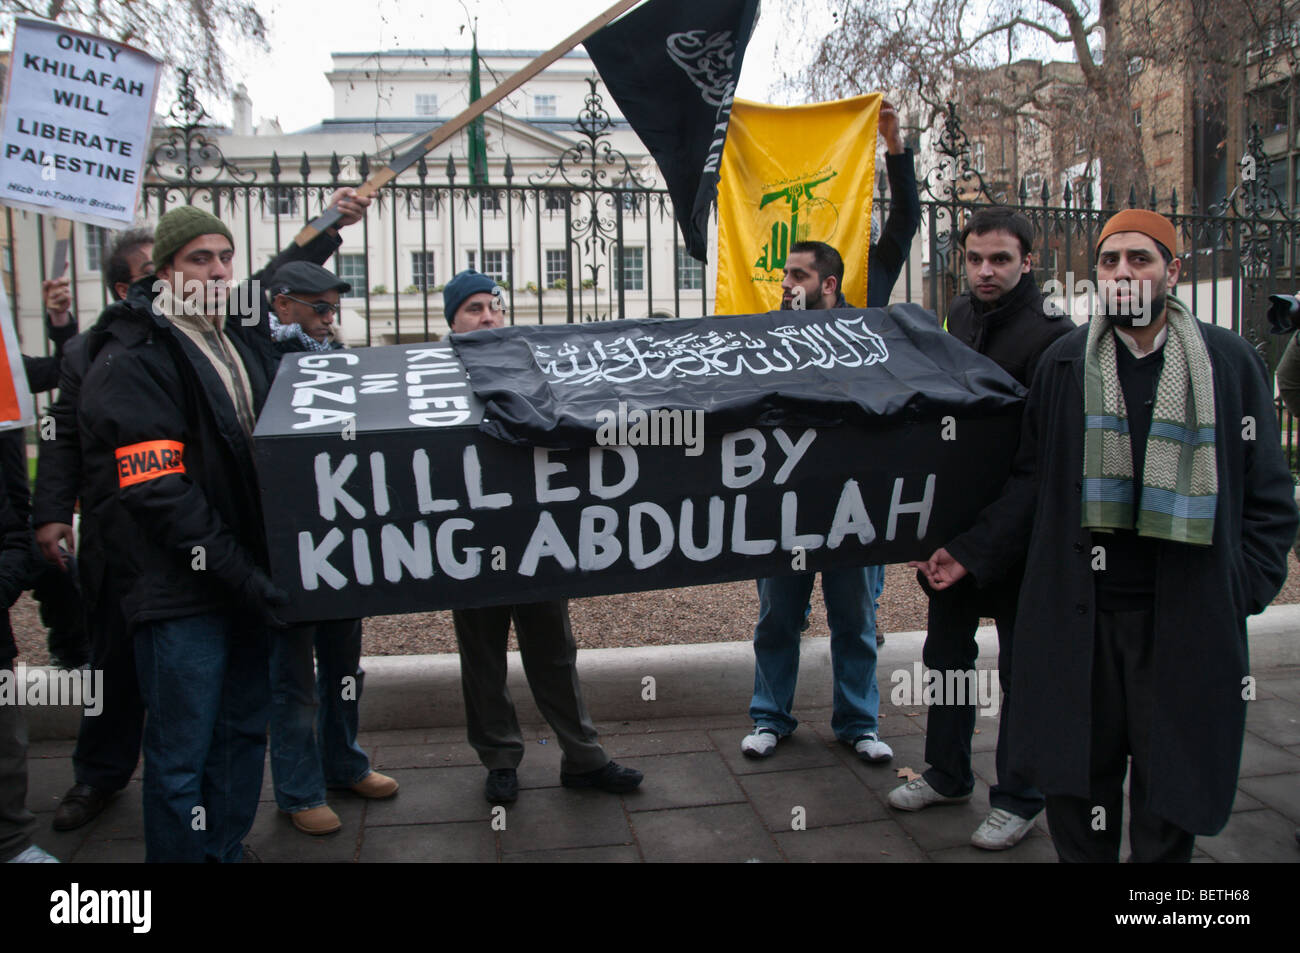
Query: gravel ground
[(720, 613)]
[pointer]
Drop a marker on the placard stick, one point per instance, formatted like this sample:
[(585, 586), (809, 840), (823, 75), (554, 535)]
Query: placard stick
[(437, 137), (62, 234)]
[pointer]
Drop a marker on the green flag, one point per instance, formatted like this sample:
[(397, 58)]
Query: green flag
[(477, 139)]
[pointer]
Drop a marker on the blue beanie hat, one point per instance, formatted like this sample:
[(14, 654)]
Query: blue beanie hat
[(466, 283)]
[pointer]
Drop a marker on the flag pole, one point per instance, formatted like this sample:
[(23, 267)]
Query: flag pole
[(441, 134)]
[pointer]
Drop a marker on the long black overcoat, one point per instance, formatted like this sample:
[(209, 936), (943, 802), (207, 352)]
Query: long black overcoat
[(1203, 594)]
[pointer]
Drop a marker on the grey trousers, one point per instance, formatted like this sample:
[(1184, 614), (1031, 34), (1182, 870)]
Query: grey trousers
[(16, 822), (549, 654)]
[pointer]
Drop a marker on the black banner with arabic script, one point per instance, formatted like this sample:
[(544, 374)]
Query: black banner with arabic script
[(672, 67), (553, 386)]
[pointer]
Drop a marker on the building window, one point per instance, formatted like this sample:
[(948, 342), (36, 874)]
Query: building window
[(422, 270), (690, 273), (352, 269), (95, 241), (426, 104), (1135, 65), (557, 266), (490, 200), (631, 277), (543, 106), (977, 156), (496, 264), (1270, 107), (282, 201), (556, 200), (1034, 185)]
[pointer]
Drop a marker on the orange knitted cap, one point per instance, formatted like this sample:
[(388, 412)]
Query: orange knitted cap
[(1151, 224)]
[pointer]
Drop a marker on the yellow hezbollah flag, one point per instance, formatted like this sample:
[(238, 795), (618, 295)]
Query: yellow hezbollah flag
[(791, 174)]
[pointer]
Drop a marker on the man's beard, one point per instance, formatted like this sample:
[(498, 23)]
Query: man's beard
[(809, 304), (1128, 315)]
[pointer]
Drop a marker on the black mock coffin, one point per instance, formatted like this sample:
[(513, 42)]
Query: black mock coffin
[(531, 463)]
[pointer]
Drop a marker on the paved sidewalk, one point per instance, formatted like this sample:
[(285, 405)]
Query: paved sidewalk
[(701, 800)]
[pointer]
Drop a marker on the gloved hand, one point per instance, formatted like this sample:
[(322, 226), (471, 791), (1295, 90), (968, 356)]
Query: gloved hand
[(259, 597)]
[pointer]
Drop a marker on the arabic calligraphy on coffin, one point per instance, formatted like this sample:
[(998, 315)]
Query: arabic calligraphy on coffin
[(838, 342)]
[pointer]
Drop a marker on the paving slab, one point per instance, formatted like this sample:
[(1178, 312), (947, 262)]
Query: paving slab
[(455, 843), (946, 825), (805, 748), (389, 756), (724, 833), (1256, 836), (559, 817), (1036, 848), (1275, 720), (275, 839), (575, 855), (827, 796), (432, 795), (874, 842), (645, 743), (1281, 792), (683, 780), (1259, 757), (1285, 688)]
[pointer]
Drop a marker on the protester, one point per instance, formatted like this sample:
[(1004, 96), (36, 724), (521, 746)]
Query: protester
[(314, 714), (1164, 518), (108, 745), (1006, 318), (814, 272), (472, 302)]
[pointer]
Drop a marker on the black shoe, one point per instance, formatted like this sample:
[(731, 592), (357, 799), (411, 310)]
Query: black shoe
[(613, 778), (880, 639), (79, 806), (502, 786)]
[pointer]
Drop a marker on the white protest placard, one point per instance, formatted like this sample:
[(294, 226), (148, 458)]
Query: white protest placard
[(17, 409), (77, 119)]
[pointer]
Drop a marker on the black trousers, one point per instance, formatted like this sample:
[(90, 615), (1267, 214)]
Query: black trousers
[(1087, 830), (549, 656), (108, 744), (950, 646)]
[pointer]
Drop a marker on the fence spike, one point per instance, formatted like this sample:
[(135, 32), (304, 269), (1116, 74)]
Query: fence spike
[(509, 170), (1024, 191), (1196, 202), (335, 167), (1046, 194), (1132, 196), (1173, 201), (365, 167), (1153, 198), (1110, 196), (1067, 193), (275, 164), (451, 169), (304, 167), (421, 169)]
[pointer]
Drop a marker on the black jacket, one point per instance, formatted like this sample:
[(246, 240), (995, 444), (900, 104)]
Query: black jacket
[(60, 480), (43, 372), (16, 550), (889, 254), (1203, 593), (1013, 331)]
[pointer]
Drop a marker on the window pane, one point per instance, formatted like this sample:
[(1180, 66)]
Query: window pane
[(633, 273), (426, 104), (556, 262), (690, 273), (95, 238), (422, 270), (352, 269), (544, 105)]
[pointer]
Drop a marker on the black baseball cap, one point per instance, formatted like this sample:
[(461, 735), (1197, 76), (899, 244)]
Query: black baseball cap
[(303, 277)]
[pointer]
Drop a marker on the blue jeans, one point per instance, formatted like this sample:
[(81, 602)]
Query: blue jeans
[(205, 688), (314, 714), (852, 619)]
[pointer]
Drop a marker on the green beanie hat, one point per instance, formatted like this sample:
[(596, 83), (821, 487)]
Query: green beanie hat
[(181, 226)]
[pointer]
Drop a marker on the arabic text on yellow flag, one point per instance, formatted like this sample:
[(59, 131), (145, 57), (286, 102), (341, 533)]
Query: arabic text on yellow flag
[(789, 174)]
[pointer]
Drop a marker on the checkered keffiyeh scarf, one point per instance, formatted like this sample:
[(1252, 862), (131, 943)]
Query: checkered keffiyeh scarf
[(1180, 480), (294, 332)]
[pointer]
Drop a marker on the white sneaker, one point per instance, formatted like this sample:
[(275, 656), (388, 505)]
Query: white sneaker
[(760, 743), (917, 793), (1000, 830), (33, 855), (871, 748)]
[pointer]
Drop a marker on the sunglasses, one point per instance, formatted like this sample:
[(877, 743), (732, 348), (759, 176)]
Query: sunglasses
[(320, 307)]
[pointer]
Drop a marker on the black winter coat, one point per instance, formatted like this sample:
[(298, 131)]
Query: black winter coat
[(1014, 331), (147, 395), (1203, 594)]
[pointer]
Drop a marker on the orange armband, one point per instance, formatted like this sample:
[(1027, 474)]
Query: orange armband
[(148, 461)]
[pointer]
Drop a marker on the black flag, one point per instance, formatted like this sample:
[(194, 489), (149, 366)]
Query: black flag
[(672, 67)]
